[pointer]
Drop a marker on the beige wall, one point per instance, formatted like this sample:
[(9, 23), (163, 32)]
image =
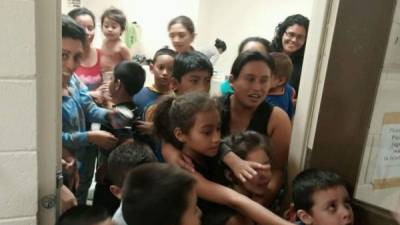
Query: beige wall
[(18, 145)]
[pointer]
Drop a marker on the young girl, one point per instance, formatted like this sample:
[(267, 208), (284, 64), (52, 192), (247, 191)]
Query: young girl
[(191, 122), (89, 70), (114, 51), (181, 32)]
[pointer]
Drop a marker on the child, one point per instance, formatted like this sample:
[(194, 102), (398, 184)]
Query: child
[(128, 79), (192, 72), (160, 194), (191, 123), (161, 67), (251, 146), (320, 198), (124, 158), (85, 215), (281, 94), (113, 22)]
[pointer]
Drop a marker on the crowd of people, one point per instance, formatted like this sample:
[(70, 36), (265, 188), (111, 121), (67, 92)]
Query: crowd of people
[(171, 154)]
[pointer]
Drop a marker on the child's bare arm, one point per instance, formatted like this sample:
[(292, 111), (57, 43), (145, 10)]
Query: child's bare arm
[(125, 53), (225, 196)]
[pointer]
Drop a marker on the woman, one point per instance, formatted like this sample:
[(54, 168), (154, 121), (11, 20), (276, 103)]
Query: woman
[(246, 109), (249, 44), (290, 38), (89, 70), (181, 32)]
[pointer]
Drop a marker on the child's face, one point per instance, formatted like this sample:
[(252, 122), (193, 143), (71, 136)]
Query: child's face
[(192, 214), (331, 207), (162, 70), (72, 51), (180, 37), (204, 136), (87, 23), (111, 29), (198, 80), (253, 83), (258, 184)]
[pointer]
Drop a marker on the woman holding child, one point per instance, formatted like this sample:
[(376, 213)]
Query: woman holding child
[(89, 70), (246, 109)]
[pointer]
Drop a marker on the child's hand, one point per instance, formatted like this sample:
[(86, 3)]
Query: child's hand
[(97, 96), (102, 139), (246, 170), (144, 127)]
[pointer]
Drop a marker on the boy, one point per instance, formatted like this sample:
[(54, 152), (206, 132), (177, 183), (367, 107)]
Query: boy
[(160, 194), (85, 215), (161, 67), (281, 94), (124, 158), (113, 50), (128, 79), (192, 72), (320, 198)]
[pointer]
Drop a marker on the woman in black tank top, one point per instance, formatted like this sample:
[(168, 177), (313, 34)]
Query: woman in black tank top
[(246, 109)]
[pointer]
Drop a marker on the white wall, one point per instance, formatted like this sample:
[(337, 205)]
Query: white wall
[(230, 21), (18, 145)]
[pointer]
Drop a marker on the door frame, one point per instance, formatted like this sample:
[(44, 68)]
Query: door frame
[(48, 42), (356, 59)]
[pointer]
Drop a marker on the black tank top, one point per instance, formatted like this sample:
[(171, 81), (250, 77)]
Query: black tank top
[(258, 122)]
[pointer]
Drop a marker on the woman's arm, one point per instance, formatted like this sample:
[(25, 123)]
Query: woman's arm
[(217, 193), (279, 129)]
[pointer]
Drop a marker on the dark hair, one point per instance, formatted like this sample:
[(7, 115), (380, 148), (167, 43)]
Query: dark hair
[(83, 215), (246, 141), (185, 21), (70, 29), (186, 62), (281, 29), (115, 14), (163, 51), (126, 157), (131, 75), (263, 41), (283, 65), (173, 112), (250, 56), (220, 44), (306, 183), (156, 194), (82, 11)]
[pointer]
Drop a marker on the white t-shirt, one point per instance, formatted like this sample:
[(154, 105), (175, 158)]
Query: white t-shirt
[(118, 219)]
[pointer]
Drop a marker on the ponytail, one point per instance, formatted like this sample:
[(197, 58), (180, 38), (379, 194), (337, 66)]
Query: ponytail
[(162, 122)]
